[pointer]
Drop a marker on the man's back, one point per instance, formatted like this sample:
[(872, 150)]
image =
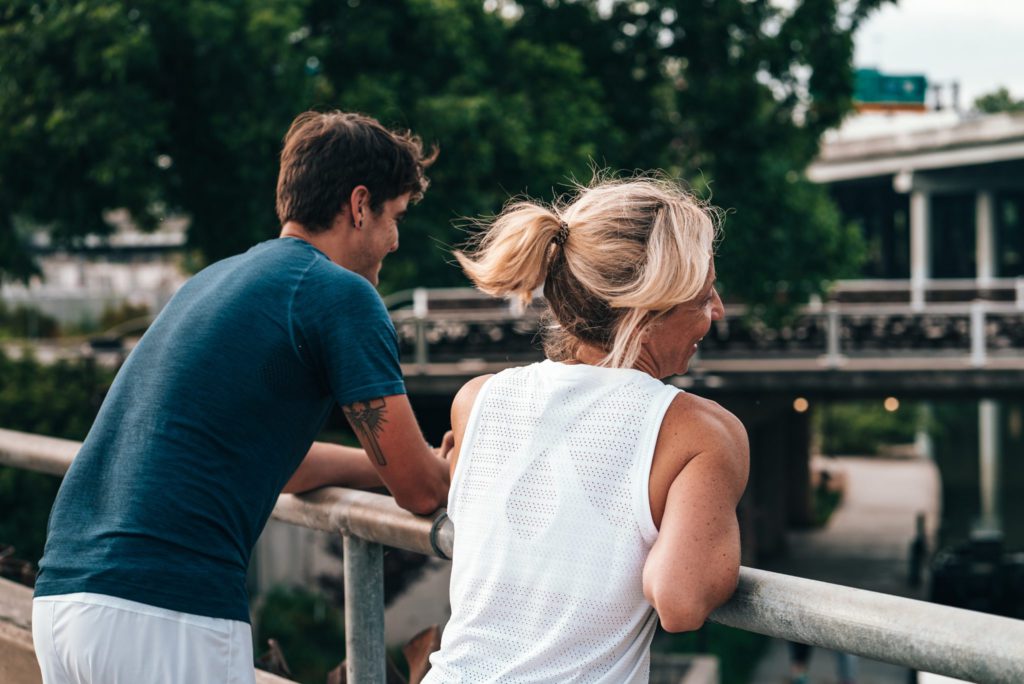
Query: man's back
[(209, 417)]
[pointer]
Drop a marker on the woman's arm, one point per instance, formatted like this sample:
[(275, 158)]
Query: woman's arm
[(462, 406), (693, 566)]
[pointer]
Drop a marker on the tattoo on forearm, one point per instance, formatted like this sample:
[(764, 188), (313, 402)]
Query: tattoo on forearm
[(367, 419)]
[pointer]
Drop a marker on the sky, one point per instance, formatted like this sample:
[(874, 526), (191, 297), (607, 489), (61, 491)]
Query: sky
[(979, 43)]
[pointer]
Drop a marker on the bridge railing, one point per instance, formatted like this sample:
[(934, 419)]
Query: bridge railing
[(975, 332), (922, 636)]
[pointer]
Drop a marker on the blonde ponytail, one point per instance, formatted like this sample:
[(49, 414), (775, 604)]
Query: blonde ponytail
[(511, 257), (627, 251)]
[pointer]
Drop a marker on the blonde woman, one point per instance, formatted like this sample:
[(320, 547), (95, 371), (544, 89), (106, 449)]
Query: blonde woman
[(591, 500)]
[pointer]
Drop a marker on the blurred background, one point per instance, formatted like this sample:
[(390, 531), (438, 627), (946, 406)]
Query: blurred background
[(868, 157)]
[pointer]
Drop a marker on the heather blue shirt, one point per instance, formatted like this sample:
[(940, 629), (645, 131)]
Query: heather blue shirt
[(205, 423)]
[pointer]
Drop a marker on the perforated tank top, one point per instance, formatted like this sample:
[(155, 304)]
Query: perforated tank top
[(553, 526)]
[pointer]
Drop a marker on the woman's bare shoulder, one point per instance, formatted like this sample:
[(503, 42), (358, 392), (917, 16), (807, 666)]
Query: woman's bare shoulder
[(694, 425), (704, 417), (463, 402)]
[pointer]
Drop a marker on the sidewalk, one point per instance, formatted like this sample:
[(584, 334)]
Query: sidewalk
[(865, 545)]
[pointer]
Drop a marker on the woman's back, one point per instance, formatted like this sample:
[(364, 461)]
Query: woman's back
[(553, 522)]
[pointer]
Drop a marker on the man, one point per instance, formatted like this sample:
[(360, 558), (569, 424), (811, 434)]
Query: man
[(215, 413)]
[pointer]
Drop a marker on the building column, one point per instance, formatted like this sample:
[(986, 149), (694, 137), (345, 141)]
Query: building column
[(920, 227), (989, 463), (984, 220)]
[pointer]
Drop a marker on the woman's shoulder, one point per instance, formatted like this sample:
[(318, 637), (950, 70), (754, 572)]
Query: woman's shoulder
[(703, 412), (694, 425), (464, 399)]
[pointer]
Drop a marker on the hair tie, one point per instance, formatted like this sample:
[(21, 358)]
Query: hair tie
[(563, 233)]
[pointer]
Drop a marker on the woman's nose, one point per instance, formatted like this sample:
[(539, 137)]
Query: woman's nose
[(717, 308)]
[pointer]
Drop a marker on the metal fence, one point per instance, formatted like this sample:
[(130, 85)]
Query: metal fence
[(445, 326), (922, 636)]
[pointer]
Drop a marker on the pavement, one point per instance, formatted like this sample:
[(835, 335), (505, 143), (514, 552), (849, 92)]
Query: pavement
[(866, 545)]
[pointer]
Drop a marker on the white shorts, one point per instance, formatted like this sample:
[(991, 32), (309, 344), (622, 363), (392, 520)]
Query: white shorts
[(95, 639)]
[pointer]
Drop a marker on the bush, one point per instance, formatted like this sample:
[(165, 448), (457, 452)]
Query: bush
[(863, 427), (26, 322), (309, 630), (58, 401), (114, 316)]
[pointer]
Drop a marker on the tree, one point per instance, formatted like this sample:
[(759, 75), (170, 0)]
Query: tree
[(511, 113), (733, 96), (159, 105), (998, 101), (154, 106)]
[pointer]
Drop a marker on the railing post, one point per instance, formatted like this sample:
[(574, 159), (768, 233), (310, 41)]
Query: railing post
[(419, 310), (978, 334), (833, 358), (364, 611)]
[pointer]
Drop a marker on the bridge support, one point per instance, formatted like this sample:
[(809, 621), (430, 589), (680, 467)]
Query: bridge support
[(920, 251), (984, 220), (989, 463), (778, 496)]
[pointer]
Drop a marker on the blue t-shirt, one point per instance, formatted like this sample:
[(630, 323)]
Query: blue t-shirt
[(209, 417)]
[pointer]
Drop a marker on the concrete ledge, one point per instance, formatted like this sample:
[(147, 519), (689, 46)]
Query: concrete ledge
[(17, 657), (18, 663)]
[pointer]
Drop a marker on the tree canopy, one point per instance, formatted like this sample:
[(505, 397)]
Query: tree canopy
[(999, 100), (164, 106)]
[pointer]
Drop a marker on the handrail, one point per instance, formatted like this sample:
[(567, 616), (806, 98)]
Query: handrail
[(831, 318), (949, 641)]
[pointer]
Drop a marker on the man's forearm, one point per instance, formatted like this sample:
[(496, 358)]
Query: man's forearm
[(334, 465)]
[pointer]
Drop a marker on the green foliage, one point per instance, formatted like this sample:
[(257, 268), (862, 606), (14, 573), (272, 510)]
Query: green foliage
[(511, 113), (738, 651), (169, 105), (308, 629), (734, 99), (60, 401), (24, 322), (998, 101), (824, 501), (125, 313), (863, 427)]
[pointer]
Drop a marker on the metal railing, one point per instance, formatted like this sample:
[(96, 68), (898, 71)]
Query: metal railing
[(922, 636), (973, 334)]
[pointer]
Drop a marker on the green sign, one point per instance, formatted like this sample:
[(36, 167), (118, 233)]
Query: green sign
[(874, 87)]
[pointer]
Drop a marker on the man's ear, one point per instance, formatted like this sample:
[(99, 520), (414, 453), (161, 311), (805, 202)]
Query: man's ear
[(359, 204)]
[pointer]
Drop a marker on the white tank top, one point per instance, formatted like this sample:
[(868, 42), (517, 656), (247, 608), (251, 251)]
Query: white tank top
[(552, 528)]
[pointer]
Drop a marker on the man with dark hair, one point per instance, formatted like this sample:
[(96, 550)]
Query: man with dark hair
[(215, 412)]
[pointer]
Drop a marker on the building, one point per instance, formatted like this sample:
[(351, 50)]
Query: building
[(79, 283), (940, 201)]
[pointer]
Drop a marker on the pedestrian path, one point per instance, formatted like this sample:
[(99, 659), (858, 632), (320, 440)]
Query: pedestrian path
[(866, 544)]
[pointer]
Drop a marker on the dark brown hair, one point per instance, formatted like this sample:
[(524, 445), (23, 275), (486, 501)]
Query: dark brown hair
[(328, 154)]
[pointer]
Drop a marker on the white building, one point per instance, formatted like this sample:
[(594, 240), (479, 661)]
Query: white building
[(101, 273)]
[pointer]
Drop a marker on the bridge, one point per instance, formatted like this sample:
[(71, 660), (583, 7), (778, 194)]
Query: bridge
[(918, 635), (869, 338)]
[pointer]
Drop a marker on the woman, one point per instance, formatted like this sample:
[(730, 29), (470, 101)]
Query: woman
[(590, 499)]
